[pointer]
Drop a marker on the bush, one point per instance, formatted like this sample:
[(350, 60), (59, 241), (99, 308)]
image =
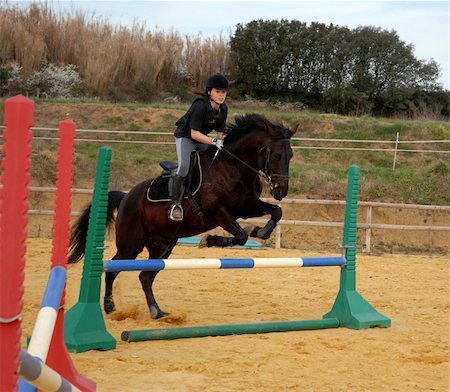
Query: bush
[(54, 82), (13, 80), (50, 81)]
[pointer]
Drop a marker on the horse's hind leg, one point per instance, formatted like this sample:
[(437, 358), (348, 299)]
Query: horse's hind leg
[(108, 302), (147, 278), (123, 253)]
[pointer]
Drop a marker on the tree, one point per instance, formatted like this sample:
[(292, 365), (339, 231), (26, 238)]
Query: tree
[(333, 68), (258, 52)]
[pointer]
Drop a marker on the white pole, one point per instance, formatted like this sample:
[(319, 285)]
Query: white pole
[(278, 237), (368, 230), (395, 152), (43, 377)]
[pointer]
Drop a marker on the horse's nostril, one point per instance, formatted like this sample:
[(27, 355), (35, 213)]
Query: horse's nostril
[(279, 191)]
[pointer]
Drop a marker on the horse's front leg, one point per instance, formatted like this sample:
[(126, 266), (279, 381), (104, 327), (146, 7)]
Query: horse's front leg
[(262, 208)]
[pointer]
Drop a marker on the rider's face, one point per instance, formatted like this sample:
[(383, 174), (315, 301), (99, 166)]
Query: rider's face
[(218, 95)]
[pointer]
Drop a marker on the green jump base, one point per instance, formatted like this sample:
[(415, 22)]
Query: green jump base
[(354, 312), (226, 330), (85, 329)]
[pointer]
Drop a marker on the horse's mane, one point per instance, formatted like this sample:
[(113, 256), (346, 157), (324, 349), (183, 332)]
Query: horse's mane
[(252, 121)]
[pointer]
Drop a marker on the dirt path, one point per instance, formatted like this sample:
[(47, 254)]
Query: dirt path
[(412, 355)]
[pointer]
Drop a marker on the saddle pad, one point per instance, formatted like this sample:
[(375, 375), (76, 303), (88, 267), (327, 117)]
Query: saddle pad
[(158, 190)]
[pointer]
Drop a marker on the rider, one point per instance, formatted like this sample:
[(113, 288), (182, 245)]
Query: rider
[(207, 113)]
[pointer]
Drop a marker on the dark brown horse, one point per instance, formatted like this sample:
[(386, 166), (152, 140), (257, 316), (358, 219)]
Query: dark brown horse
[(230, 189)]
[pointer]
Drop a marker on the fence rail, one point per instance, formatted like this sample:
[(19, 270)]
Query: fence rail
[(368, 226), (386, 146), (394, 149)]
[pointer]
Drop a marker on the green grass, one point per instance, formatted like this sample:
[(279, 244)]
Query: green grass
[(114, 120), (418, 177)]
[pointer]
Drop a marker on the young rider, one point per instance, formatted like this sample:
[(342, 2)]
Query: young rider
[(207, 113)]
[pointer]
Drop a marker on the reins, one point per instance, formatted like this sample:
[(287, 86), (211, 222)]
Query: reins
[(260, 173), (267, 178)]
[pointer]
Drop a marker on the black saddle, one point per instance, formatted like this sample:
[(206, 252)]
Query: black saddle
[(159, 188), (169, 168)]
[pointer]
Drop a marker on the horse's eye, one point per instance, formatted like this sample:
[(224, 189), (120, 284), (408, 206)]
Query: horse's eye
[(277, 156)]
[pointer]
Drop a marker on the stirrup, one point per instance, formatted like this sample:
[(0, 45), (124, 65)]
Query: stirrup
[(176, 213)]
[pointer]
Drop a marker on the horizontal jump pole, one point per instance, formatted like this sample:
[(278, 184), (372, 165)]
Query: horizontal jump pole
[(226, 330), (223, 263)]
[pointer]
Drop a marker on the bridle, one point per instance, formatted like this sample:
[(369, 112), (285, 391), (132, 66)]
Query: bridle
[(264, 174), (266, 166)]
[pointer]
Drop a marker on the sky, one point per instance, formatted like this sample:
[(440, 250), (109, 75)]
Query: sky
[(425, 24)]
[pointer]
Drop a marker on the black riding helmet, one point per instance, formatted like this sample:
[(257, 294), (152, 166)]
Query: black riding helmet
[(217, 81)]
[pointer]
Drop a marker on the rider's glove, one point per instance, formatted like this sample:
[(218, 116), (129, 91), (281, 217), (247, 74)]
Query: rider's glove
[(218, 143)]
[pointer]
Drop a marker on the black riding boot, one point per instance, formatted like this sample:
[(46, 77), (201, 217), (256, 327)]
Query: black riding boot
[(176, 210)]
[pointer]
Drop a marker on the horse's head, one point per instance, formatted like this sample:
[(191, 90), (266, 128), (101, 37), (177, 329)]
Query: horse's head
[(269, 144), (275, 158)]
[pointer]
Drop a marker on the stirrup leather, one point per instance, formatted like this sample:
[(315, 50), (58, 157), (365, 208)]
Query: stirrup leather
[(176, 212)]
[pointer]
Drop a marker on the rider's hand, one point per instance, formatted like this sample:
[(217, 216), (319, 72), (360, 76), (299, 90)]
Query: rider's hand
[(218, 143)]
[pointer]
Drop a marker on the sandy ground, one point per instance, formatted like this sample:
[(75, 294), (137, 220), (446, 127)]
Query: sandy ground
[(412, 355)]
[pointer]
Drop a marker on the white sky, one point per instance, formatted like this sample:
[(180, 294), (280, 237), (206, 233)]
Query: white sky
[(425, 24)]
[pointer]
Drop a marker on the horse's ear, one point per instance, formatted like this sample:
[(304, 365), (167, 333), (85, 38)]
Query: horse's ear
[(294, 130), (291, 130)]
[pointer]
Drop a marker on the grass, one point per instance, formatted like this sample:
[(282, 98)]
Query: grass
[(418, 178)]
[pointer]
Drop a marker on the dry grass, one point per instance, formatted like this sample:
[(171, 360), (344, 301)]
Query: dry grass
[(105, 54)]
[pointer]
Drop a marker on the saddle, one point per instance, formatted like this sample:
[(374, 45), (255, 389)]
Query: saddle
[(159, 188)]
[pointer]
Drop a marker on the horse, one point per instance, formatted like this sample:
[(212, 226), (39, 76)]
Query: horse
[(254, 149)]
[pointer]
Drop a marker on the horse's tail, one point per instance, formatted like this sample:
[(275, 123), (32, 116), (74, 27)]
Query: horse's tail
[(78, 236)]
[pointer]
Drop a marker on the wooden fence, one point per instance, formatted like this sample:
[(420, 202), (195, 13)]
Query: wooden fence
[(365, 219)]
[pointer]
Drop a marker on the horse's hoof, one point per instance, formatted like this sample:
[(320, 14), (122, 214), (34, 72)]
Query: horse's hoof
[(263, 234), (157, 313), (108, 306), (203, 243), (109, 309)]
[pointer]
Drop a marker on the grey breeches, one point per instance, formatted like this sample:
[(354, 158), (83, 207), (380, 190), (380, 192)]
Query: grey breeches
[(185, 147)]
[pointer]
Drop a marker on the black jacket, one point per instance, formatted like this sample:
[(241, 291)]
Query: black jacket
[(202, 117)]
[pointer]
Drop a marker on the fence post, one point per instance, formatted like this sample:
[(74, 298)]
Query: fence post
[(369, 229), (395, 152), (278, 237)]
